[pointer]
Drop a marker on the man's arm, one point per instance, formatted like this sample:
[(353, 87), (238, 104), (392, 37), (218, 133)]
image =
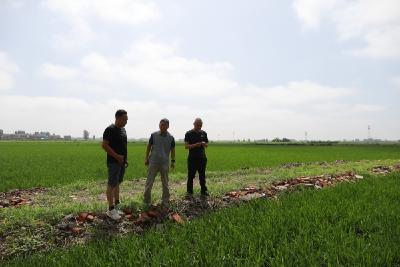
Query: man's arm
[(106, 146), (190, 146), (205, 142), (173, 157), (146, 159)]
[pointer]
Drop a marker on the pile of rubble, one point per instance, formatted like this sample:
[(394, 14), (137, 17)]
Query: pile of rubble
[(79, 225), (271, 191), (192, 207), (321, 163), (385, 169), (19, 197)]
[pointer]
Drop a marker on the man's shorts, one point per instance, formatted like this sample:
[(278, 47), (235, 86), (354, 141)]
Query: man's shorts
[(115, 174)]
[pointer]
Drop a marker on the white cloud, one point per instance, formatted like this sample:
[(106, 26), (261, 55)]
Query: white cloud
[(367, 108), (80, 15), (7, 71), (311, 12), (121, 11), (17, 4), (152, 80), (151, 66), (64, 115), (396, 82), (377, 23), (58, 72)]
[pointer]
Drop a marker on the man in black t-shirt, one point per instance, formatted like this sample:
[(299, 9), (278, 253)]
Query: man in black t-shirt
[(196, 141), (115, 144)]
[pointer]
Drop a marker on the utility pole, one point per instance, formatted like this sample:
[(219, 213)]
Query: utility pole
[(369, 132)]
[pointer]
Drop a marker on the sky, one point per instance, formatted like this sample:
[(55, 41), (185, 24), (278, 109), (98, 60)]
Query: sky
[(250, 69)]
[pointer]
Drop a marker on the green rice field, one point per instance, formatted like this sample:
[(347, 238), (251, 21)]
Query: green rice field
[(31, 164), (350, 224)]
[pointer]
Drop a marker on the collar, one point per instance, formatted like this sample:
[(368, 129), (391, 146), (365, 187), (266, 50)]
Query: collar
[(163, 134)]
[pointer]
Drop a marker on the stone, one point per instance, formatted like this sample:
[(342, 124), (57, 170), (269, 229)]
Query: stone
[(252, 196), (77, 230), (62, 226), (90, 218), (82, 216), (281, 187)]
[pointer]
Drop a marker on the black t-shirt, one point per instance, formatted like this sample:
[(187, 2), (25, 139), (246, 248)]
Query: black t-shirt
[(117, 140), (193, 137)]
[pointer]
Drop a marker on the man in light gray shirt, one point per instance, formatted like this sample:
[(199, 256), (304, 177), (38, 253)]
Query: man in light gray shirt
[(161, 145)]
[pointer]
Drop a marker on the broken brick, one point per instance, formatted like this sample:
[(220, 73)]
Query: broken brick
[(177, 218)]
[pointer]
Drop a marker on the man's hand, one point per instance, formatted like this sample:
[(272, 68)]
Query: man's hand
[(120, 159), (172, 164), (146, 162)]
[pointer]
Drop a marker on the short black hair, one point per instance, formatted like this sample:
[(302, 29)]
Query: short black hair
[(165, 120), (120, 112)]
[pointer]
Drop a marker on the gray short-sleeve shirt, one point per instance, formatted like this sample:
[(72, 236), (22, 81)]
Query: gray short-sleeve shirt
[(161, 147)]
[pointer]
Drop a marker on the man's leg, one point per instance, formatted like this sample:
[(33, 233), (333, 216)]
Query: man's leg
[(110, 197), (165, 189), (151, 175), (202, 175), (113, 181), (191, 173), (116, 190)]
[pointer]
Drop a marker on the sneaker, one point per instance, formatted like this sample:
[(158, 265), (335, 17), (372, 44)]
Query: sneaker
[(120, 212), (113, 214), (117, 207)]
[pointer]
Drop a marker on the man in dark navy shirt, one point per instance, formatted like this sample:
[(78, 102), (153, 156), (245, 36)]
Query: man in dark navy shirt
[(115, 144), (196, 141)]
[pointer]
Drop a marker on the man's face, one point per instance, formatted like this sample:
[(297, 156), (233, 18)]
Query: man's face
[(198, 125), (122, 120), (163, 126)]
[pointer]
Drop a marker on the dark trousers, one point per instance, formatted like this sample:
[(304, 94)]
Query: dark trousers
[(199, 165)]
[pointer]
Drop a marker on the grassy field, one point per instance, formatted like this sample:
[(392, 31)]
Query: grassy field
[(30, 164), (350, 225)]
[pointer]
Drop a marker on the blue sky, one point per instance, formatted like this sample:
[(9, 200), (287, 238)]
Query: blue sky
[(252, 69)]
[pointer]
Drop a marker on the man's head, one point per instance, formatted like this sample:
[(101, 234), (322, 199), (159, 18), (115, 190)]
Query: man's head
[(121, 118), (198, 123), (164, 125)]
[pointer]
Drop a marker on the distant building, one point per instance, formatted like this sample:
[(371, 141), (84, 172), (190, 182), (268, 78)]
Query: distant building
[(40, 136), (54, 137), (67, 138), (22, 135)]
